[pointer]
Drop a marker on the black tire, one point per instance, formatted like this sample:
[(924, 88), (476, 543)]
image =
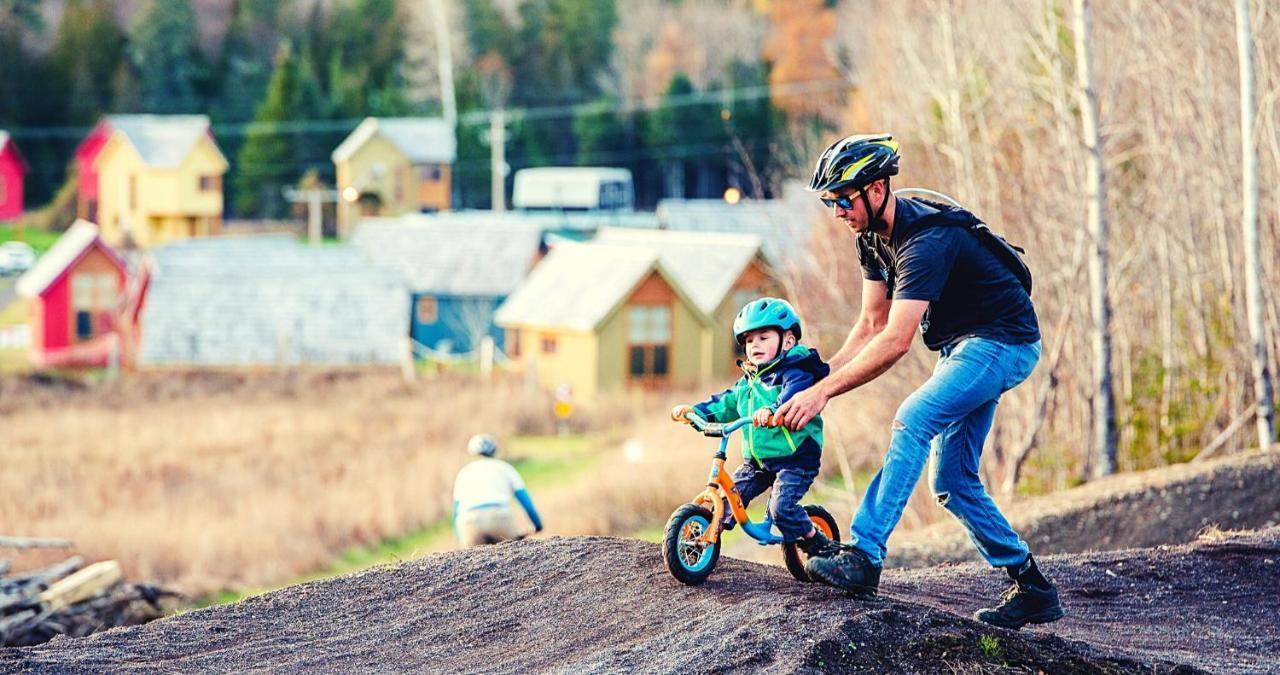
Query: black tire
[(688, 564), (792, 554)]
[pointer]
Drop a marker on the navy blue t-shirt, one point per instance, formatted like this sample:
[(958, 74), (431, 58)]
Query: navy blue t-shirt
[(971, 292)]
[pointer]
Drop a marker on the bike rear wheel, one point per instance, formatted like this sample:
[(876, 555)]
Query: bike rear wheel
[(825, 523), (689, 561)]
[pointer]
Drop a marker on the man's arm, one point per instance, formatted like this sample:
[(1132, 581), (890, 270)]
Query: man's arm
[(872, 319), (881, 352), (876, 356)]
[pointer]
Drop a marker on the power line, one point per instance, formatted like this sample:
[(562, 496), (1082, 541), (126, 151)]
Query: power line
[(725, 96)]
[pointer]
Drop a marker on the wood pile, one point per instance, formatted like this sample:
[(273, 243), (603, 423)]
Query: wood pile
[(68, 598)]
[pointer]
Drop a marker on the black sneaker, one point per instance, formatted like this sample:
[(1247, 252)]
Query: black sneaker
[(819, 546), (849, 570), (1023, 603)]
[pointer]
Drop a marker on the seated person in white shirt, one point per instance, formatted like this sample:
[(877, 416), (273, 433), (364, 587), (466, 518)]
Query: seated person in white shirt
[(482, 494)]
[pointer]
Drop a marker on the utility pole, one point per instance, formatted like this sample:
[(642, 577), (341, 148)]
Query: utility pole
[(1104, 418), (314, 198), (447, 98), (498, 159), (1249, 222)]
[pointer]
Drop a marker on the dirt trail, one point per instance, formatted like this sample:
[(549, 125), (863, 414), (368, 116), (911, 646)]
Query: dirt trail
[(588, 604), (1145, 508)]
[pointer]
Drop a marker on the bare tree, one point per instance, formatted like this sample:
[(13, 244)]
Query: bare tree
[(1253, 268), (1104, 423)]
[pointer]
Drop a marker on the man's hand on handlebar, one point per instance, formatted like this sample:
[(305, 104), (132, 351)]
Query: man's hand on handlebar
[(803, 407), (680, 413)]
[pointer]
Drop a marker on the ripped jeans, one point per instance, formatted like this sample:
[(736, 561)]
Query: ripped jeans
[(949, 417)]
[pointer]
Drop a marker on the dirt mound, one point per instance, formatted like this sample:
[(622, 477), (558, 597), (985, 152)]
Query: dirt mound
[(1169, 505), (587, 604)]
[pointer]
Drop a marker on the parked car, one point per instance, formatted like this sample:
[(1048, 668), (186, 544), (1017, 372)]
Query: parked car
[(16, 257)]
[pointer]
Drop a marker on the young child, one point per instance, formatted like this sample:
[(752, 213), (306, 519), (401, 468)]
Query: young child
[(777, 367)]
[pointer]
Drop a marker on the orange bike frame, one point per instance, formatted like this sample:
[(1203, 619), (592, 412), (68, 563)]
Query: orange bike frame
[(719, 486)]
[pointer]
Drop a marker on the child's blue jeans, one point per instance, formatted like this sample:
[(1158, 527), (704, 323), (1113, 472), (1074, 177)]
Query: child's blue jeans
[(790, 483), (949, 417)]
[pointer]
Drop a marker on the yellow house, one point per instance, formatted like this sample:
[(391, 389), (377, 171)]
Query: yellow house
[(390, 166), (720, 271), (159, 179), (599, 317)]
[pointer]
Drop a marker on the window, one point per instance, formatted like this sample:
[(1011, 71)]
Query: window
[(210, 183), (741, 297), (93, 296), (93, 291), (429, 173), (428, 310), (513, 342), (84, 325), (649, 338), (548, 344)]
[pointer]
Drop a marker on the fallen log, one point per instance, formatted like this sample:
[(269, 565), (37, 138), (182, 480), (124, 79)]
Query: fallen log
[(81, 586), (64, 599), (25, 542)]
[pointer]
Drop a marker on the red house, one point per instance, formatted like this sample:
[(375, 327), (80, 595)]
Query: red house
[(13, 171), (75, 290), (86, 152)]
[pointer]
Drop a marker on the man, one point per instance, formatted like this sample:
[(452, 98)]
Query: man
[(482, 494), (938, 268)]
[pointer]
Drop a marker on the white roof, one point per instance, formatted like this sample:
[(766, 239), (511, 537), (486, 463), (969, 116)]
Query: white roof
[(577, 286), (782, 225), (254, 300), (163, 141), (565, 186), (69, 247), (584, 221), (705, 264), (421, 139), (448, 255)]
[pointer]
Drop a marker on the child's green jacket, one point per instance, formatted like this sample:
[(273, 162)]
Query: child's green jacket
[(769, 386)]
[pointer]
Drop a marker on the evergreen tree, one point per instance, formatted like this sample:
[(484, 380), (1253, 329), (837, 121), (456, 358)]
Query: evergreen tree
[(603, 134), (688, 140), (471, 172), (272, 158), (366, 53), (245, 65), (165, 54), (751, 127), (86, 54)]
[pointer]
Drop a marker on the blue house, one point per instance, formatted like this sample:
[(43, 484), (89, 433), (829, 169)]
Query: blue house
[(458, 268)]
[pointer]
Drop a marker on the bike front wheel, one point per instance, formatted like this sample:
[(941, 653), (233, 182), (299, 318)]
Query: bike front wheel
[(689, 560)]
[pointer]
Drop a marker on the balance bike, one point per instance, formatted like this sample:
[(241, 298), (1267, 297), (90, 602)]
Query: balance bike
[(691, 540)]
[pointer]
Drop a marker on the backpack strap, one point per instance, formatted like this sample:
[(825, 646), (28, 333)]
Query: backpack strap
[(1010, 255)]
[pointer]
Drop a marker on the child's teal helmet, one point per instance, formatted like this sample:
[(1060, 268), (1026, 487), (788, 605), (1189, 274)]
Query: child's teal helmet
[(766, 313)]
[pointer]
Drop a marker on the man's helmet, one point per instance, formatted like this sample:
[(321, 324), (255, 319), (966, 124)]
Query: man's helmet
[(766, 313), (482, 445), (856, 161)]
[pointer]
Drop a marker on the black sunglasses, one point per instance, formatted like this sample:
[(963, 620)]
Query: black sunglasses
[(845, 202)]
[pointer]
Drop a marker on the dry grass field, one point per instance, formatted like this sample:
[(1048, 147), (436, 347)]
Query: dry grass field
[(213, 481)]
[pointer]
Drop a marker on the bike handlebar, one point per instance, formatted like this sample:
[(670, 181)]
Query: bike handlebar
[(716, 429)]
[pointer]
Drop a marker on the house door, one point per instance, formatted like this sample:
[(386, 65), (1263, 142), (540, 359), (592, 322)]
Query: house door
[(649, 346)]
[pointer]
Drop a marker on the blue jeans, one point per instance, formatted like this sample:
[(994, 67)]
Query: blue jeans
[(790, 483), (949, 416)]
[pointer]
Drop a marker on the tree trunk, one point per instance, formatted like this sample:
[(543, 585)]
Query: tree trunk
[(1104, 425), (1249, 223)]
